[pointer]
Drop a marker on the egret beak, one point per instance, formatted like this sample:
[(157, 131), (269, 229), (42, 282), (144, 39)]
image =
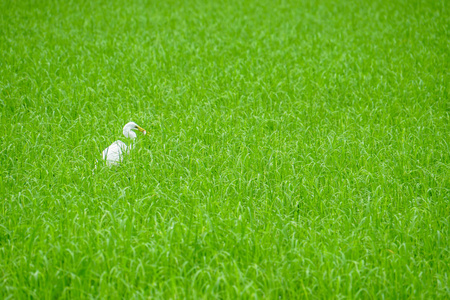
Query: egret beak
[(142, 130)]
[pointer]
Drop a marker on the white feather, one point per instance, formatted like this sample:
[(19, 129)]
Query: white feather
[(115, 152)]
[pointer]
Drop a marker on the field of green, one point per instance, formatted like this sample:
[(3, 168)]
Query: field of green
[(295, 149)]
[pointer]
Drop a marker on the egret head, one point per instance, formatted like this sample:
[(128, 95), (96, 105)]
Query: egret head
[(128, 130)]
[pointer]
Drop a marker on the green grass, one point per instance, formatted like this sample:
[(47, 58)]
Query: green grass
[(296, 149)]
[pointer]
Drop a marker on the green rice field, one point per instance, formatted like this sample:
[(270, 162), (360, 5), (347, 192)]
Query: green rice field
[(295, 149)]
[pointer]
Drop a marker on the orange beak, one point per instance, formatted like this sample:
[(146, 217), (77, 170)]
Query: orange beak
[(142, 130)]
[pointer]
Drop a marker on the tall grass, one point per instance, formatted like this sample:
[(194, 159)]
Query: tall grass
[(296, 149)]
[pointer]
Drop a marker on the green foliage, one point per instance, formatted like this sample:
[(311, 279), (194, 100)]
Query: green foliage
[(296, 149)]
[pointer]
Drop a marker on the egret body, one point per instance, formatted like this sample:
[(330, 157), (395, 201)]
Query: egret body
[(113, 155)]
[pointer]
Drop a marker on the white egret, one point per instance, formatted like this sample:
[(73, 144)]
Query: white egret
[(113, 155)]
